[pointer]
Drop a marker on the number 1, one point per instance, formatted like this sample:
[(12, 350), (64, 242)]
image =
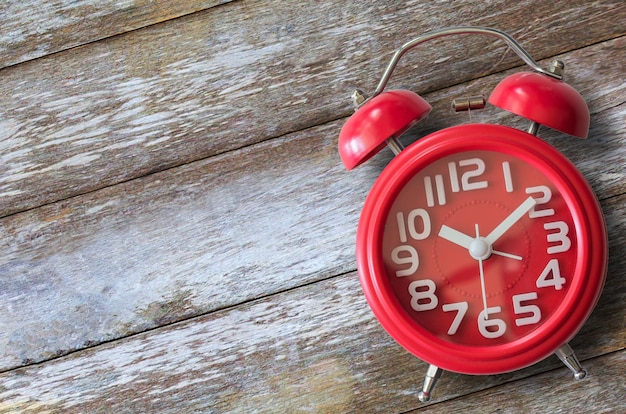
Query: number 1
[(508, 179)]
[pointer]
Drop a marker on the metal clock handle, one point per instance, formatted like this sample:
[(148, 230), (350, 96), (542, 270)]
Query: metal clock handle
[(513, 45)]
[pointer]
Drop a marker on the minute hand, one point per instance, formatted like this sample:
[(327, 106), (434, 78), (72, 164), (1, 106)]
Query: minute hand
[(510, 220)]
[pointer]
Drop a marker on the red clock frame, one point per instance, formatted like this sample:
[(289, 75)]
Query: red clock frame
[(586, 283)]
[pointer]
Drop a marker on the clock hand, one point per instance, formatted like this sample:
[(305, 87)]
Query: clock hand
[(456, 236), (482, 278), (465, 241), (509, 255), (508, 222)]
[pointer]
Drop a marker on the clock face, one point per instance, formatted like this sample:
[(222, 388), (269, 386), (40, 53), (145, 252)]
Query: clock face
[(475, 249), (456, 280)]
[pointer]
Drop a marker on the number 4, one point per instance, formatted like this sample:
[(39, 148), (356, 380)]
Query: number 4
[(551, 276)]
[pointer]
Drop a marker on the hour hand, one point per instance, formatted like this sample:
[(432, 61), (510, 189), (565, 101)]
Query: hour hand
[(456, 236), (463, 240)]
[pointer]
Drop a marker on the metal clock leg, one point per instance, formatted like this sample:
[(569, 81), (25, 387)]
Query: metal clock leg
[(432, 375), (533, 128), (394, 145), (568, 357)]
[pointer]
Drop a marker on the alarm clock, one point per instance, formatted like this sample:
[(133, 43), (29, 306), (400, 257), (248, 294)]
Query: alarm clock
[(481, 249)]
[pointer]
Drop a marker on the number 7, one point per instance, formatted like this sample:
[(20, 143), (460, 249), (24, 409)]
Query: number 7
[(461, 309)]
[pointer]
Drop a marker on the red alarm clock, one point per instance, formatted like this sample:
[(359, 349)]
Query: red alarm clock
[(481, 249)]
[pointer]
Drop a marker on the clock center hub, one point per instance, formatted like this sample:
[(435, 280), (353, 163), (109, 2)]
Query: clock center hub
[(479, 249)]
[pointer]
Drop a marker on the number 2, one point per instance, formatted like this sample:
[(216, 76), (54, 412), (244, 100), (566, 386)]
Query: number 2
[(543, 199)]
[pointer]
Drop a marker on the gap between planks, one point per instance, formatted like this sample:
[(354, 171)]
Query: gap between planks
[(178, 322), (156, 22), (480, 393), (215, 157), (258, 299), (268, 139), (71, 180), (234, 305)]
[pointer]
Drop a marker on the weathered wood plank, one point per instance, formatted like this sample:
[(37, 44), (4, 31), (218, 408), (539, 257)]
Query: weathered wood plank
[(549, 393), (316, 348), (271, 224), (205, 236), (211, 82), (147, 252), (32, 29)]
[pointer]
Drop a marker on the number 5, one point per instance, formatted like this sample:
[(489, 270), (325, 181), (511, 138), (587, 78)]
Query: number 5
[(518, 308)]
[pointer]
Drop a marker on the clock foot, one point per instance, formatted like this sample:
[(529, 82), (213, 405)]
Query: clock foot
[(432, 375), (568, 357)]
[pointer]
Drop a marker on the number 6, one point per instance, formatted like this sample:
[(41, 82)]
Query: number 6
[(484, 323)]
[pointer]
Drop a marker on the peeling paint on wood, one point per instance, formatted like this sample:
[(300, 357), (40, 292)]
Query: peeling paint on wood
[(236, 75), (178, 231), (211, 235), (316, 349), (32, 29)]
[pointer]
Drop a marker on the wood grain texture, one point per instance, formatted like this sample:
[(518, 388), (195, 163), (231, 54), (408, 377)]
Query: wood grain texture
[(177, 228), (600, 394), (33, 29), (316, 348), (208, 83), (223, 231)]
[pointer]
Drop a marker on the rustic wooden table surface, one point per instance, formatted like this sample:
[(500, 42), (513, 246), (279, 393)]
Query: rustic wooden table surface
[(178, 231)]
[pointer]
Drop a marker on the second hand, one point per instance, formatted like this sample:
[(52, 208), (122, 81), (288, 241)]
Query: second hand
[(482, 279)]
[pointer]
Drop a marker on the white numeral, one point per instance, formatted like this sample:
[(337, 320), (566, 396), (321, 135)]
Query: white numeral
[(430, 195), (454, 177), (546, 196), (551, 276), (466, 185), (558, 237), (423, 300), (519, 309), (412, 259), (461, 309), (411, 226), (508, 179), (465, 178), (491, 328)]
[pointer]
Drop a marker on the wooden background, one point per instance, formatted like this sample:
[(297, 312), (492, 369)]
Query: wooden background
[(177, 229)]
